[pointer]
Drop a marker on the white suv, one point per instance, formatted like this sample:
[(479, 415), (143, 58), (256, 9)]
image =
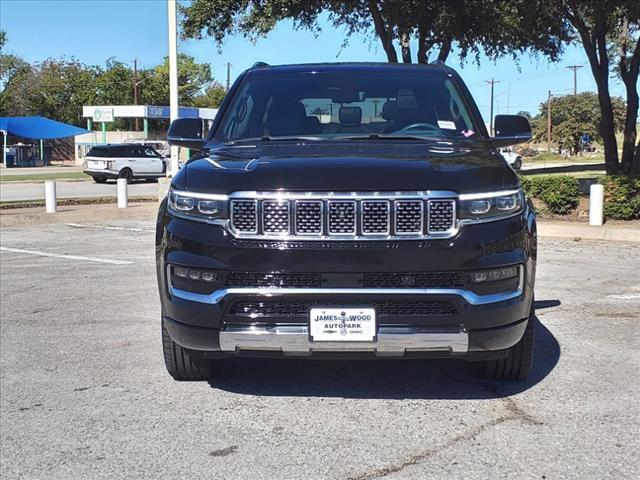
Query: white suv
[(512, 158), (128, 161)]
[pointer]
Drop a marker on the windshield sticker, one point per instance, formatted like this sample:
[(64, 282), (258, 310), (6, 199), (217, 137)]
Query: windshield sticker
[(447, 124)]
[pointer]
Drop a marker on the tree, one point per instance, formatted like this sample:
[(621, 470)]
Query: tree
[(193, 79), (598, 25), (211, 98), (573, 115), (496, 27)]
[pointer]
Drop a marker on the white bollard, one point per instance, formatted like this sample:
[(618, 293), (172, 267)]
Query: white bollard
[(50, 196), (122, 193), (596, 203)]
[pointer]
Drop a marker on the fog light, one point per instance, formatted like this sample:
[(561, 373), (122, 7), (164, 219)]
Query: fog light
[(495, 274), (194, 274)]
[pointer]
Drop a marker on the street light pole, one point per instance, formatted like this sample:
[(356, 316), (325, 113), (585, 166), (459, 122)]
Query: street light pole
[(173, 79), (135, 90)]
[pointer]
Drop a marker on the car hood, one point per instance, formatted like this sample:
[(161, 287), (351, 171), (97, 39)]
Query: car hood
[(353, 166)]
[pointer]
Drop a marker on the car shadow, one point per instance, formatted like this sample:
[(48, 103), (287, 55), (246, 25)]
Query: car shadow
[(382, 379)]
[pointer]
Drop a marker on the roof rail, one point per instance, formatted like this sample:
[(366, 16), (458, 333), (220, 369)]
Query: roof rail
[(260, 65)]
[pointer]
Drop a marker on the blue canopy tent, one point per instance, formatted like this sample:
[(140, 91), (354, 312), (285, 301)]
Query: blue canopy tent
[(37, 128)]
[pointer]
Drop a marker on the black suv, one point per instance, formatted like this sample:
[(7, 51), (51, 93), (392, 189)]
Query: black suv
[(347, 211)]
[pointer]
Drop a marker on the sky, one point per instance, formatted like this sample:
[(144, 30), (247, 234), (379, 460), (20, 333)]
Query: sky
[(94, 30)]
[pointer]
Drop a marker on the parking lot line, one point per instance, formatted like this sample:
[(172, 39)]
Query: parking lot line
[(108, 227), (69, 257)]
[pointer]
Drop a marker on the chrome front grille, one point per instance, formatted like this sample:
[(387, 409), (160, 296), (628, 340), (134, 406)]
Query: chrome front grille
[(403, 215)]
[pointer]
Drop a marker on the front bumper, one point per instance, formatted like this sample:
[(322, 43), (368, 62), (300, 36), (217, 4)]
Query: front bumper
[(483, 325)]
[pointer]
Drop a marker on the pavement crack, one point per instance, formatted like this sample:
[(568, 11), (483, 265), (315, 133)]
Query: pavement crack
[(419, 457)]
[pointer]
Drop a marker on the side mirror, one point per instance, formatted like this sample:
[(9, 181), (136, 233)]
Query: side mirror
[(510, 130), (186, 132)]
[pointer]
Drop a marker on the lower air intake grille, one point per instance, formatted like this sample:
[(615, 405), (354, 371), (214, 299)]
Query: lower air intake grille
[(297, 308)]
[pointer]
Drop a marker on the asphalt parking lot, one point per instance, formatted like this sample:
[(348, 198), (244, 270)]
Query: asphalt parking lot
[(85, 393)]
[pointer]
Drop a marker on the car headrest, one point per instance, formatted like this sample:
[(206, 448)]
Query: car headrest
[(350, 115), (389, 110)]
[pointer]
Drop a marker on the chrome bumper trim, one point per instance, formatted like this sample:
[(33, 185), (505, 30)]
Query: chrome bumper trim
[(219, 295), (390, 341)]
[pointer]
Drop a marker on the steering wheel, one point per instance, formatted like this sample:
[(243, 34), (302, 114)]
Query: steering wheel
[(418, 127)]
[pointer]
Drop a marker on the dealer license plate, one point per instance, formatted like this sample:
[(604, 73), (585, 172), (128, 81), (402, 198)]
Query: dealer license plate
[(342, 324)]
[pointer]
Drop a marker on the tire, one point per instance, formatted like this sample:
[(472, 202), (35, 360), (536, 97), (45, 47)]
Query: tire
[(100, 179), (517, 165), (180, 365), (517, 364), (126, 173)]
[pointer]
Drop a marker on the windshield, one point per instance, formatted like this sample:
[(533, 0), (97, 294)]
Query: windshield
[(328, 105)]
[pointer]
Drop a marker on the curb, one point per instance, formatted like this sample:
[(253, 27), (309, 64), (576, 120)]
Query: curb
[(611, 233)]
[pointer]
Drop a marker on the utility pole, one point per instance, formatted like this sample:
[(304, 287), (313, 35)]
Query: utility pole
[(135, 89), (549, 122), (575, 77), (173, 79), (228, 75), (491, 82)]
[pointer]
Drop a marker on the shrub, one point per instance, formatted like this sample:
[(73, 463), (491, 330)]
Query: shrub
[(559, 193), (621, 197)]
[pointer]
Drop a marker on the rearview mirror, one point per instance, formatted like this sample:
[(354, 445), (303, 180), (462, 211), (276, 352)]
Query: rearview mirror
[(186, 132), (510, 130)]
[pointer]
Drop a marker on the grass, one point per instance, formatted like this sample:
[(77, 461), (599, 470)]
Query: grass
[(73, 201), (41, 177), (556, 158)]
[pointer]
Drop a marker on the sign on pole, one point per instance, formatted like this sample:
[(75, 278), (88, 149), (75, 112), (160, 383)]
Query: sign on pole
[(103, 114)]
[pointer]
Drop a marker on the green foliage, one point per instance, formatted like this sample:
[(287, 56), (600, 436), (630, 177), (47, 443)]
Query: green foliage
[(559, 193), (211, 98), (621, 197), (492, 27), (573, 115), (58, 89)]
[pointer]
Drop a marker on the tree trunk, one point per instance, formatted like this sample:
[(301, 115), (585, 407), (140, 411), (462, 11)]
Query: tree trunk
[(628, 163), (423, 47), (383, 31), (595, 46), (405, 47), (629, 76), (445, 50)]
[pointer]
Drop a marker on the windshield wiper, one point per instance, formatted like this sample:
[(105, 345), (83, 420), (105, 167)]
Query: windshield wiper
[(387, 136), (271, 138)]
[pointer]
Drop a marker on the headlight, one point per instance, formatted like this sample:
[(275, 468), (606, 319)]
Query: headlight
[(201, 207), (479, 206)]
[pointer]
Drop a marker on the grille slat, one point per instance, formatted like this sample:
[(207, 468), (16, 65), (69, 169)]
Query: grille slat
[(375, 217), (409, 217), (441, 215), (342, 217), (309, 217), (244, 216), (275, 216)]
